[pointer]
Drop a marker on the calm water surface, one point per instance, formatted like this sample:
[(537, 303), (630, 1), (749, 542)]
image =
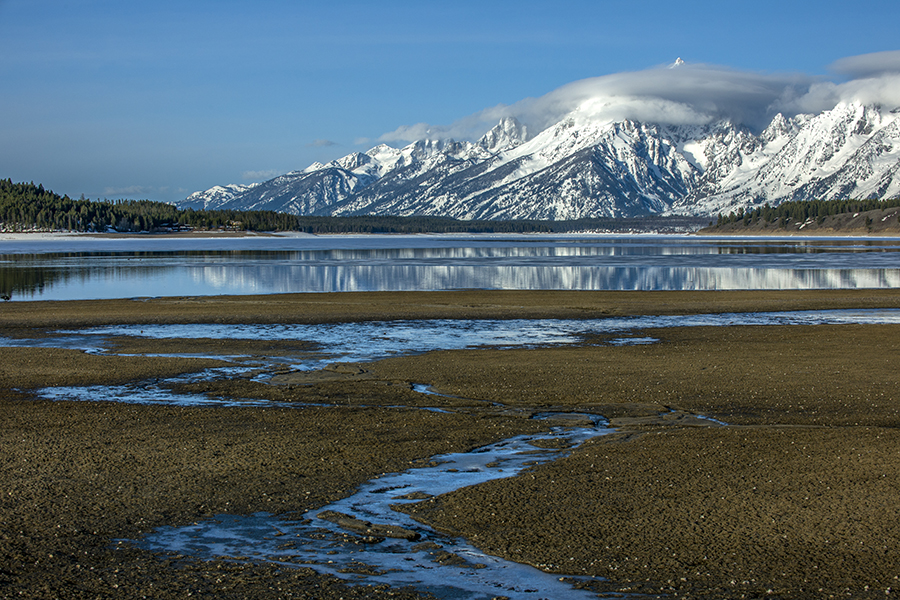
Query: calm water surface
[(82, 267)]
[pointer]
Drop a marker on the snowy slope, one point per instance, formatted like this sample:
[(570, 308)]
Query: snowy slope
[(852, 151), (584, 167)]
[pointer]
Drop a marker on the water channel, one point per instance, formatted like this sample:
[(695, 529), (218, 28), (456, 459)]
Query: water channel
[(372, 340), (363, 539)]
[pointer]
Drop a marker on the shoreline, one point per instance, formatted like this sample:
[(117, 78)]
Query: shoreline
[(809, 452), (331, 307), (705, 232), (800, 235)]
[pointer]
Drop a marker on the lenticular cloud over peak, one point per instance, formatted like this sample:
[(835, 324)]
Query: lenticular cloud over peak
[(868, 65), (691, 94)]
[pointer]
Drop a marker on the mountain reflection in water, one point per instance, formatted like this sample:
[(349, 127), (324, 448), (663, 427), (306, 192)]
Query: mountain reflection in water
[(86, 268)]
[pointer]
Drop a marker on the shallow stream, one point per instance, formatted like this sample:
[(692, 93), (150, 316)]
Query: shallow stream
[(374, 340), (362, 539)]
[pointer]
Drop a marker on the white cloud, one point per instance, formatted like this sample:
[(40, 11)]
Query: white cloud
[(257, 175), (421, 131), (143, 192), (686, 94), (866, 66), (321, 144), (883, 90), (129, 190)]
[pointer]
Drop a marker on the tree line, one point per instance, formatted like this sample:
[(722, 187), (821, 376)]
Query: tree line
[(801, 211), (30, 207)]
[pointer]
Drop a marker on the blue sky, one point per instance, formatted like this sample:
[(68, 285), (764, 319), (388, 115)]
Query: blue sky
[(160, 99)]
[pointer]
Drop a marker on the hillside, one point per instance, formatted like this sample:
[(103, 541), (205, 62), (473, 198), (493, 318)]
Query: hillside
[(876, 222)]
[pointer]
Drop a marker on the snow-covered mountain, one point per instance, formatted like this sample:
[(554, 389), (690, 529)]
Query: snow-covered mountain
[(584, 167)]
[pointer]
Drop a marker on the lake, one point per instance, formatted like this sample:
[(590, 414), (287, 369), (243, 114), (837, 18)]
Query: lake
[(41, 267)]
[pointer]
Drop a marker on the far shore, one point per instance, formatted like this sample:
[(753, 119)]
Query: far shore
[(50, 235), (870, 223), (705, 232), (788, 233)]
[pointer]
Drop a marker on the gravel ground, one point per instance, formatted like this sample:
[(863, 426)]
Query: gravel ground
[(797, 497)]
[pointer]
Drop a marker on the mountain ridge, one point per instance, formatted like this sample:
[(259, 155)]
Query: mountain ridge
[(580, 167)]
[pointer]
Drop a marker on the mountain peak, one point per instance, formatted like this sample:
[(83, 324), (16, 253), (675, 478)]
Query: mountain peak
[(506, 134), (353, 161), (780, 126)]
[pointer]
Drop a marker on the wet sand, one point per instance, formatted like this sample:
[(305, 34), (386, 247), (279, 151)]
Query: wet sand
[(466, 304), (796, 498), (798, 494)]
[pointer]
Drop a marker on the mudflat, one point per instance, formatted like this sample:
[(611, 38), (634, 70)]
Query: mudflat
[(463, 304), (791, 492)]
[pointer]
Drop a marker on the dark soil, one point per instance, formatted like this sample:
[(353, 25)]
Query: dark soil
[(797, 497), (464, 304), (75, 477)]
